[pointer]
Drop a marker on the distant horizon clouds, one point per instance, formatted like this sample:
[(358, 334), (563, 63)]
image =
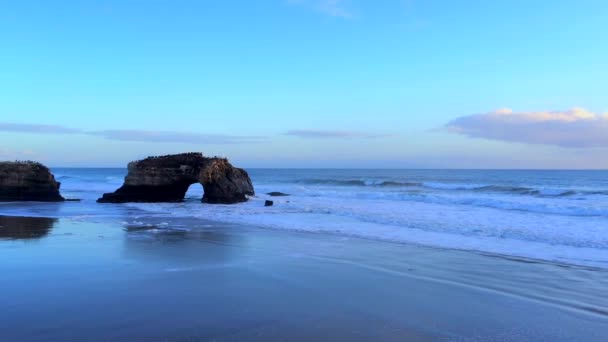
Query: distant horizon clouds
[(36, 128), (161, 136), (333, 134), (174, 137), (574, 128), (133, 134)]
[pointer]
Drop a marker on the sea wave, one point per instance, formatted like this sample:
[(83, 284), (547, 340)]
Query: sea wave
[(531, 234), (560, 206), (521, 190), (494, 188), (359, 182)]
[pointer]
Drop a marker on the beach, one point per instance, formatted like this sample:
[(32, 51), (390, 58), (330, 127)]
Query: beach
[(304, 170), (196, 280)]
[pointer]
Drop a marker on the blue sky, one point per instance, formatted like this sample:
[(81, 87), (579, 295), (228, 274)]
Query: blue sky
[(307, 83)]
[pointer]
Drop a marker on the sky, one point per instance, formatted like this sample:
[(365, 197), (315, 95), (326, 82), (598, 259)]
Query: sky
[(307, 83)]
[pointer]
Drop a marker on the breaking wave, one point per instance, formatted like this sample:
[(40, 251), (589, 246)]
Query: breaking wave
[(360, 182), (507, 189)]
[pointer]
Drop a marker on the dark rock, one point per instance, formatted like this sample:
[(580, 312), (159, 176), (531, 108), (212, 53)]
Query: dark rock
[(167, 178), (268, 203), (28, 181), (276, 194), (223, 183)]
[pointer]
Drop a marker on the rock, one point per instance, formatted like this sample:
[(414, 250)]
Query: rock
[(28, 181), (268, 203), (224, 183), (167, 178), (276, 194)]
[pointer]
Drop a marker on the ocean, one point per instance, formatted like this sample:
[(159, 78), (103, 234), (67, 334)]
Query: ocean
[(557, 216)]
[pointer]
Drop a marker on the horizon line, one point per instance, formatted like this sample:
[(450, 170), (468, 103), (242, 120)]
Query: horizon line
[(366, 168)]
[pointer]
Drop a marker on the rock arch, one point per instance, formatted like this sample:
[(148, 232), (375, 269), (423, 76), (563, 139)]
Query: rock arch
[(167, 179)]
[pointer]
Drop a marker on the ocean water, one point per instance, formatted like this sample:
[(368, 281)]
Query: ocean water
[(559, 216)]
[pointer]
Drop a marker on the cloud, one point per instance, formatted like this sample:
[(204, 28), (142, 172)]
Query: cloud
[(133, 135), (35, 128), (174, 137), (9, 154), (576, 127), (334, 8), (6, 154), (323, 134)]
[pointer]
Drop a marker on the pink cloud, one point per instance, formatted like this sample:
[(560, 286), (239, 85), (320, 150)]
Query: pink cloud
[(576, 127)]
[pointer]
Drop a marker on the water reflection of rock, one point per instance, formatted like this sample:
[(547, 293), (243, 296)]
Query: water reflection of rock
[(176, 243), (15, 227)]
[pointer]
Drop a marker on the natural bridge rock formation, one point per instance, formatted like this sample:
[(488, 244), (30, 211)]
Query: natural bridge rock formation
[(167, 178), (27, 181)]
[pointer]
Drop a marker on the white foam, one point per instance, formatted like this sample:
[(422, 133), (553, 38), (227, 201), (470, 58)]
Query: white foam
[(450, 186), (582, 240)]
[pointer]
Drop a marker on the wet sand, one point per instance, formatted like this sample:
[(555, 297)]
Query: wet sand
[(189, 280)]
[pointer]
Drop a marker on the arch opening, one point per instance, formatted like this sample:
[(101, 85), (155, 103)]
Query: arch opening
[(194, 193)]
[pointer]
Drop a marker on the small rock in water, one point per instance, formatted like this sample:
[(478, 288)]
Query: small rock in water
[(277, 193), (268, 203)]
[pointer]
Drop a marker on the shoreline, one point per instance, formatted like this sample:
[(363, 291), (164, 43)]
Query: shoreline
[(512, 257)]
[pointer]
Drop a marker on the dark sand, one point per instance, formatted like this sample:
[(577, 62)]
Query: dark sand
[(77, 281)]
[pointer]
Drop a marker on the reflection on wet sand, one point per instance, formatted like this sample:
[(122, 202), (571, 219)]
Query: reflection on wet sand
[(162, 242), (16, 227)]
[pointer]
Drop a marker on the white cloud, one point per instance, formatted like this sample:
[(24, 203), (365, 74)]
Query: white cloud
[(334, 8), (328, 134), (576, 127)]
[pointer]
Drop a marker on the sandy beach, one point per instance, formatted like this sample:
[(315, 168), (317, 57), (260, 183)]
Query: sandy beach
[(73, 280)]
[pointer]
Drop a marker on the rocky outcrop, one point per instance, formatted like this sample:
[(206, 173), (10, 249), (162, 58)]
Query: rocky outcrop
[(167, 178), (28, 181), (223, 183)]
